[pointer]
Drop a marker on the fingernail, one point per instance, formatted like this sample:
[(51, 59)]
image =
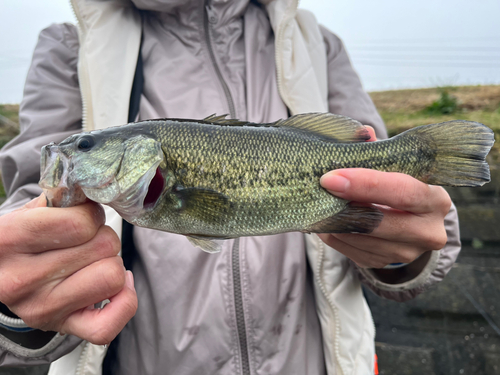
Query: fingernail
[(335, 183), (129, 280)]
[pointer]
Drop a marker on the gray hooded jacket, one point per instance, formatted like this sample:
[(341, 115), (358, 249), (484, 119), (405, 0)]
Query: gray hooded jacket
[(257, 307)]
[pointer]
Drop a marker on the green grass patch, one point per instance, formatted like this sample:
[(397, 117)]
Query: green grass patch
[(2, 190), (7, 132)]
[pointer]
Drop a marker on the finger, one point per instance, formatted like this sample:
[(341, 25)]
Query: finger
[(92, 284), (101, 326), (371, 131), (426, 231), (50, 268), (40, 201), (370, 252), (391, 251), (396, 190), (363, 259), (62, 263), (38, 229)]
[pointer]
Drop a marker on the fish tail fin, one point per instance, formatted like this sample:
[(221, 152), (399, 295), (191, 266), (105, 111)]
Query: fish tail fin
[(460, 149)]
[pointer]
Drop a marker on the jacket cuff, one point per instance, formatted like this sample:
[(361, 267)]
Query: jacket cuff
[(406, 290), (12, 353), (438, 265)]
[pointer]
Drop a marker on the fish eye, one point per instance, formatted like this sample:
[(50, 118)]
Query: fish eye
[(85, 143)]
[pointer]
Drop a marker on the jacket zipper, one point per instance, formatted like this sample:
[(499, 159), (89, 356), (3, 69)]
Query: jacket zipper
[(82, 361), (319, 281), (208, 41), (238, 308)]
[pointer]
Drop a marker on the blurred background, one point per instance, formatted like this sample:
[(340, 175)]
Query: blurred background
[(422, 61)]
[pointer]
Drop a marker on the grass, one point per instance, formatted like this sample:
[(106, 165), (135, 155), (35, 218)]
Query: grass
[(400, 109), (7, 132), (405, 109)]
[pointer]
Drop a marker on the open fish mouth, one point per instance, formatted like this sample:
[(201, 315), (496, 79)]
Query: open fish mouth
[(142, 196), (155, 190)]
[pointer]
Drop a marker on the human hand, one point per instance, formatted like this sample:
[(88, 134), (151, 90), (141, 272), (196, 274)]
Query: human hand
[(56, 263), (413, 222)]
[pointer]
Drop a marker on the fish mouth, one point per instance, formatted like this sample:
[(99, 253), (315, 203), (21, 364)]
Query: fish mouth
[(142, 196), (155, 190), (54, 176)]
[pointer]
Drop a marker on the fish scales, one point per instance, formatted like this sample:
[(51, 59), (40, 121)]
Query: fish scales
[(268, 174), (226, 178)]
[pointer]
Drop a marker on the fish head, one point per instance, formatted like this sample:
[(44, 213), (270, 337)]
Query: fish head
[(104, 166)]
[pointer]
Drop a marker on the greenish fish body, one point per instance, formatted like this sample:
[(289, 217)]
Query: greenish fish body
[(217, 178)]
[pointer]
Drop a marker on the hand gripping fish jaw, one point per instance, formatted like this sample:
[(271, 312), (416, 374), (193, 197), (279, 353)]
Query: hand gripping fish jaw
[(81, 167)]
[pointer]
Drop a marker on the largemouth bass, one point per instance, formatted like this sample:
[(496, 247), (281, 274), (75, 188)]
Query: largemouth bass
[(219, 178)]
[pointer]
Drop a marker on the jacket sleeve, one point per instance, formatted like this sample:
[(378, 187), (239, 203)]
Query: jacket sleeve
[(50, 111), (347, 97)]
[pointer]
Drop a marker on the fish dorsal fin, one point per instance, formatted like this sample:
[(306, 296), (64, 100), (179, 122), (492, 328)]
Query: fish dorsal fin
[(335, 128), (331, 127), (215, 118)]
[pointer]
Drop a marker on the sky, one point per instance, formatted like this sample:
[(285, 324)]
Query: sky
[(393, 44)]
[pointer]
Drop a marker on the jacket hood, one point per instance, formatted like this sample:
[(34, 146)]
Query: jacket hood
[(174, 6)]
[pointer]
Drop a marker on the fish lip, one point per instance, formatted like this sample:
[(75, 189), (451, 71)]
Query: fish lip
[(55, 168)]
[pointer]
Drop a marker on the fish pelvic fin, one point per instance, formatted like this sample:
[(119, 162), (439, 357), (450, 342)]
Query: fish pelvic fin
[(352, 219), (206, 244), (460, 149)]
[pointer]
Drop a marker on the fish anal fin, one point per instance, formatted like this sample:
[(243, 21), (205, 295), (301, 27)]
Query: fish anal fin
[(333, 128), (353, 219)]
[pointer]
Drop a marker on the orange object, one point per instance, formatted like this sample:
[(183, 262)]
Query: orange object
[(376, 365)]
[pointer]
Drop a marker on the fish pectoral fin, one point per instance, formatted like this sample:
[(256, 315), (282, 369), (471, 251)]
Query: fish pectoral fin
[(331, 127), (203, 204), (352, 219), (206, 244)]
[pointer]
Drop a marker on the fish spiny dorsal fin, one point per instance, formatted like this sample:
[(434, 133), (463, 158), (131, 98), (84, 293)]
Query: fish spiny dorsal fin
[(222, 120), (335, 128), (215, 118)]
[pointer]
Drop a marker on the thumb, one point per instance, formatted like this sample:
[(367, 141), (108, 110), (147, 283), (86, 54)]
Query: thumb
[(40, 201)]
